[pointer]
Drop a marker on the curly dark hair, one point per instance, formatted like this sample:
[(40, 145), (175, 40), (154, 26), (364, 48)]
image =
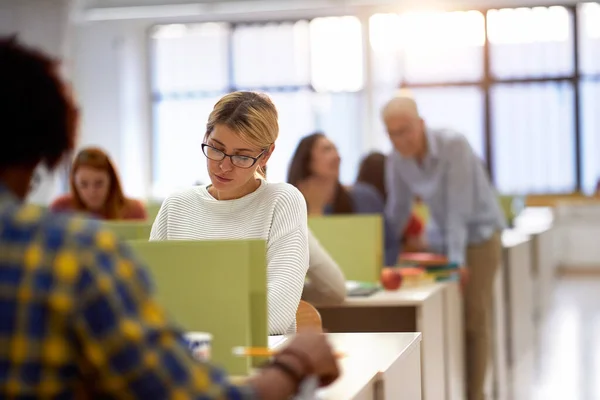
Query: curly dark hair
[(37, 113)]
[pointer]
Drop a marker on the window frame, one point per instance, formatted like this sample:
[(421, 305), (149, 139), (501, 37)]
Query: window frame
[(485, 84)]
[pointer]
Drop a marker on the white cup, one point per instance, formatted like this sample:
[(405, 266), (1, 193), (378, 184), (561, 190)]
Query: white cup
[(199, 343)]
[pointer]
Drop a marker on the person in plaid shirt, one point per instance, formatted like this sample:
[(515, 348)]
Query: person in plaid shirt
[(77, 319)]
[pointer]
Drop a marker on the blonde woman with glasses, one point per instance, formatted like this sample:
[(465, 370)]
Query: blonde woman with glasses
[(240, 204)]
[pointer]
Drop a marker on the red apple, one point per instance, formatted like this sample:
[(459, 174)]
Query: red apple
[(391, 279)]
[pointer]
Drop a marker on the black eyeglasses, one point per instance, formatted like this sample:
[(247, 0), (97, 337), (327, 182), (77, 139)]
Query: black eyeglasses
[(239, 161)]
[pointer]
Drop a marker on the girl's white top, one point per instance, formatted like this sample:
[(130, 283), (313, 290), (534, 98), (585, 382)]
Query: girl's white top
[(275, 212)]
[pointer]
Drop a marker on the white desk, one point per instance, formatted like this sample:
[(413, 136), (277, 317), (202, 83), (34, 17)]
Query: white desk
[(434, 310), (520, 328), (538, 223), (578, 225), (377, 366)]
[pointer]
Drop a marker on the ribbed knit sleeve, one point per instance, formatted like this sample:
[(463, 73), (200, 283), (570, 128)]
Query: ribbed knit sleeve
[(287, 260)]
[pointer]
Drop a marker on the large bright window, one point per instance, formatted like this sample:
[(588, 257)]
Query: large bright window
[(458, 109), (589, 38), (427, 46), (513, 94), (590, 141), (533, 139), (530, 42), (589, 54), (312, 70)]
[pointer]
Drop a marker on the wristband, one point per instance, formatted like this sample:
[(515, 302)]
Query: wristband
[(289, 371), (300, 356)]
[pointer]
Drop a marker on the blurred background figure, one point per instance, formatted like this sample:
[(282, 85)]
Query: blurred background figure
[(315, 171), (96, 189), (441, 168), (372, 172)]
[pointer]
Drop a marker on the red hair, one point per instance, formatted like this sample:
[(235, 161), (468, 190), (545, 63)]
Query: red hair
[(96, 158)]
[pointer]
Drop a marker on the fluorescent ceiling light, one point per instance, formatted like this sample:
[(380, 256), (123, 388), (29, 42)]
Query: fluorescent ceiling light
[(217, 8), (140, 12)]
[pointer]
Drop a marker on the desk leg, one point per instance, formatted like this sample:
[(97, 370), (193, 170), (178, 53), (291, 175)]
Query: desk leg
[(500, 370), (402, 381), (430, 322), (455, 343)]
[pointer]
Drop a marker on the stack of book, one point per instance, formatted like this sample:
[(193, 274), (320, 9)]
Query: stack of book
[(428, 267)]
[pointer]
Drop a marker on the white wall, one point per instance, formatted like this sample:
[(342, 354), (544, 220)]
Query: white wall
[(111, 83), (43, 24)]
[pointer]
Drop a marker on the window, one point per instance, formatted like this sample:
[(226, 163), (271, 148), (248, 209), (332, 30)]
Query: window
[(459, 109), (530, 42), (180, 124), (172, 45), (296, 120), (455, 108), (533, 139), (336, 54), (312, 70), (186, 86), (589, 54), (590, 140), (271, 55), (452, 51), (337, 115), (589, 33), (406, 48)]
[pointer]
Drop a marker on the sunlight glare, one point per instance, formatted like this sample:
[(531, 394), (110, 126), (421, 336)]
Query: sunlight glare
[(337, 54), (430, 31), (385, 32), (591, 19), (528, 25)]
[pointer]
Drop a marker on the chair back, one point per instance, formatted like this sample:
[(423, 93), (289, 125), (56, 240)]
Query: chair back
[(308, 318)]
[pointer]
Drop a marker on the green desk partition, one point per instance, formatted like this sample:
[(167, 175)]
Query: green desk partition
[(218, 287), (130, 230), (506, 202), (152, 210), (354, 241)]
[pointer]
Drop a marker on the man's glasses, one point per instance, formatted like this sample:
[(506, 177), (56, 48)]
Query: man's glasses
[(239, 161)]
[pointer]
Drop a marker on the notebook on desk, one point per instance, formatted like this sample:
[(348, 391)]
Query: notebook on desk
[(276, 341), (360, 289)]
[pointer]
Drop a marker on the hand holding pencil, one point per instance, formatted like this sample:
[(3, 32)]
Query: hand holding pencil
[(307, 354)]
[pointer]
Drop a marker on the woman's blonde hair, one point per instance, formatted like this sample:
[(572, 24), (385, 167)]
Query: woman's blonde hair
[(252, 115)]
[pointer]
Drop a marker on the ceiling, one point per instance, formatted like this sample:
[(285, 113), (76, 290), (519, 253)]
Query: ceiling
[(288, 3), (99, 10)]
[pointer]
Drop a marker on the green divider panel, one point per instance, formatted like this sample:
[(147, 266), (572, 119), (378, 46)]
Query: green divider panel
[(130, 230), (354, 241), (213, 286), (506, 202), (152, 210)]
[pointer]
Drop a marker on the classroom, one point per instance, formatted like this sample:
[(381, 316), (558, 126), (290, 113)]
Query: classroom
[(300, 199)]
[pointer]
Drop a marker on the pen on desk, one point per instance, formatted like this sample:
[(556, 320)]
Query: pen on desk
[(263, 352)]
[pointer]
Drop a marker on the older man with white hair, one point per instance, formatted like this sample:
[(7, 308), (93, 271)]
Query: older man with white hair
[(440, 167)]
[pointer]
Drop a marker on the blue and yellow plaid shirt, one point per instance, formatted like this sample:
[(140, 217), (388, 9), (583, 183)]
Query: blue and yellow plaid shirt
[(76, 311)]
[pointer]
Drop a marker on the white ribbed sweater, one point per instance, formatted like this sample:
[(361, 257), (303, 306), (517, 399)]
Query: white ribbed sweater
[(275, 212)]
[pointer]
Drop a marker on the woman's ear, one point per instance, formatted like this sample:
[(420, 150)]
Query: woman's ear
[(265, 158)]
